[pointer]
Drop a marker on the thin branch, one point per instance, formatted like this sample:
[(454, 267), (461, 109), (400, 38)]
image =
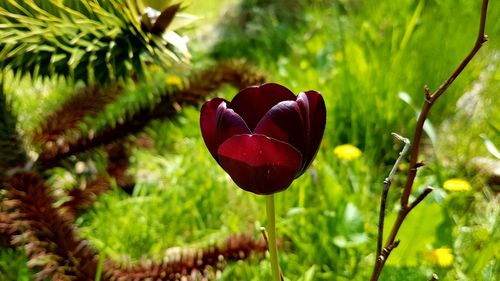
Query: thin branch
[(481, 39), (381, 219), (387, 185), (430, 99), (419, 199), (402, 154)]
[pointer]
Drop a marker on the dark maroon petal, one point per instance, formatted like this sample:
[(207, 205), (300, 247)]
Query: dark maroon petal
[(259, 164), (253, 102), (312, 108), (208, 124), (284, 122), (229, 123)]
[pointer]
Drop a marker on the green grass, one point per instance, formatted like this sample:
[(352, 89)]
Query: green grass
[(13, 265), (360, 55)]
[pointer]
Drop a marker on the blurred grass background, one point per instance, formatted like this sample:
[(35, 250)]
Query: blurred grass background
[(370, 59)]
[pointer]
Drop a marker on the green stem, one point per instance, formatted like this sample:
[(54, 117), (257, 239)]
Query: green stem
[(273, 250)]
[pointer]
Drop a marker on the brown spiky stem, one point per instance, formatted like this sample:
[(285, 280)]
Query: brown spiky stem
[(87, 101), (200, 85), (7, 229), (192, 264), (430, 98), (118, 163), (81, 198), (47, 235)]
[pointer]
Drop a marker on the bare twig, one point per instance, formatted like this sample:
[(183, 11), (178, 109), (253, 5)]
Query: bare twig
[(387, 185), (481, 39), (419, 199), (406, 207), (402, 154)]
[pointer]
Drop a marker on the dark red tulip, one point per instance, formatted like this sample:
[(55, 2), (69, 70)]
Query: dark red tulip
[(266, 136)]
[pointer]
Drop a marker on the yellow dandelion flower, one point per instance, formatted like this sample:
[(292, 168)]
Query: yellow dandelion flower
[(173, 80), (154, 68), (443, 257), (403, 166), (457, 185), (347, 152)]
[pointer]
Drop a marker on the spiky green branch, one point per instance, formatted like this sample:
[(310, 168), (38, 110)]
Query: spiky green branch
[(89, 40), (134, 120)]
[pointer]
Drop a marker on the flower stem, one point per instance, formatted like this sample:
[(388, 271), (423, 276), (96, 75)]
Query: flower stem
[(273, 250)]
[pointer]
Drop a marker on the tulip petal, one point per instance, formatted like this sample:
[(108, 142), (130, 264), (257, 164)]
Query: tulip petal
[(259, 164), (208, 124), (229, 123), (253, 102), (284, 122), (312, 107)]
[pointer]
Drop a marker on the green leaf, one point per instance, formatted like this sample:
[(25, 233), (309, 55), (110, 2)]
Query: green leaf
[(351, 228), (490, 146), (309, 274), (417, 234)]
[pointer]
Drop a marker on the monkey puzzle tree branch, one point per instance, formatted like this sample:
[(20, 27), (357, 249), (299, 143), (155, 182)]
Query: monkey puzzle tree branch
[(50, 240), (406, 207), (200, 85), (83, 198), (86, 102), (189, 264), (91, 40)]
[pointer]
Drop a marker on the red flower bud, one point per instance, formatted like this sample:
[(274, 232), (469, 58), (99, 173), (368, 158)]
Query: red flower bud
[(266, 136)]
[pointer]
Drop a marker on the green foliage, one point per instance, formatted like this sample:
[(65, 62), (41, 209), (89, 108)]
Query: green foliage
[(13, 265), (11, 147), (418, 234), (475, 118), (361, 56), (136, 96), (88, 40), (477, 236), (393, 273), (255, 27)]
